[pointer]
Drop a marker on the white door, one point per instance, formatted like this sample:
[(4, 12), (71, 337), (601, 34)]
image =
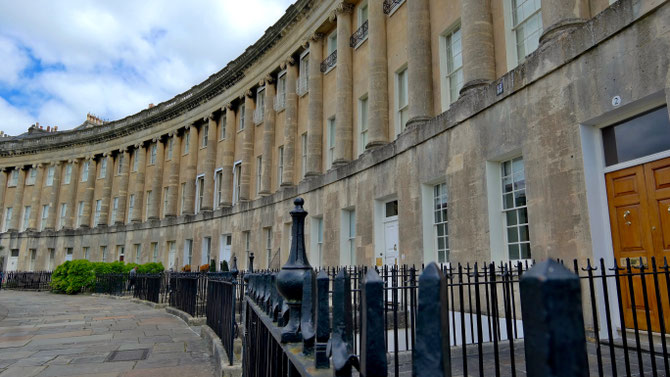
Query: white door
[(13, 261), (391, 242), (171, 255), (225, 248)]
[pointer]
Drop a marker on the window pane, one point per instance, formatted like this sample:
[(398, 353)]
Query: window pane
[(523, 230), (513, 251), (523, 216), (508, 201), (641, 136), (525, 251), (520, 198), (392, 208), (512, 235), (511, 217)]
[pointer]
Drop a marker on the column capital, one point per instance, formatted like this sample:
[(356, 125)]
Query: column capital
[(249, 93), (316, 37), (138, 145), (55, 163), (38, 165), (269, 79), (73, 161), (212, 116), (344, 8), (229, 106)]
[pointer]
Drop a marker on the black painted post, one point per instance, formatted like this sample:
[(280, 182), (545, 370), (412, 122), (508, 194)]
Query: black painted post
[(308, 308), (373, 350), (233, 269), (290, 278), (431, 356), (274, 310), (553, 322), (322, 320), (342, 340), (251, 262)]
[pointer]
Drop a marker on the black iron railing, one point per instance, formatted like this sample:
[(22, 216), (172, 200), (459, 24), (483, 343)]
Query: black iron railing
[(37, 280), (329, 62), (486, 328), (112, 284), (148, 287), (221, 304), (390, 5), (359, 35)]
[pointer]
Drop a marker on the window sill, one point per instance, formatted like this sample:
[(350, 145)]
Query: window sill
[(359, 44), (330, 69), (395, 9)]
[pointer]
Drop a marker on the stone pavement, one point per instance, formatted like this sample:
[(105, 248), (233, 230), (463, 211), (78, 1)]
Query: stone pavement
[(45, 334)]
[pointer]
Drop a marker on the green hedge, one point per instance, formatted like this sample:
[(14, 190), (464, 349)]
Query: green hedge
[(72, 277)]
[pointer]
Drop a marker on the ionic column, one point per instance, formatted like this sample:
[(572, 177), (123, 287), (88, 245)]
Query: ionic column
[(268, 136), (71, 195), (291, 122), (559, 16), (138, 187), (315, 107), (228, 158), (378, 106), (419, 62), (210, 164), (157, 180), (36, 211), (344, 88), (3, 189), (479, 66), (88, 193), (248, 147), (106, 189), (191, 170), (173, 180), (18, 199), (123, 186), (54, 197)]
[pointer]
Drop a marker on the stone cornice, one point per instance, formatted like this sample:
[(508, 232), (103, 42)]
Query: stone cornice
[(171, 109)]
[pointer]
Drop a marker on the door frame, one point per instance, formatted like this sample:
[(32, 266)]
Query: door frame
[(593, 159)]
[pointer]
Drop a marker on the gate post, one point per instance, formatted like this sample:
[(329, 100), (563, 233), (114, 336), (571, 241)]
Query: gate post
[(553, 322), (431, 354)]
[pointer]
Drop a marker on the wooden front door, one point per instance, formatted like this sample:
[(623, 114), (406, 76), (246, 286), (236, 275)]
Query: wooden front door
[(639, 209)]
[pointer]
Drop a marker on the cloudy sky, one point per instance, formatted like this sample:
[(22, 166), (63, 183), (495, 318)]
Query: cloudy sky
[(62, 59)]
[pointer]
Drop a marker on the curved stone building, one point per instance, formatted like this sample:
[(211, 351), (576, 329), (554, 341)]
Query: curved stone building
[(415, 130)]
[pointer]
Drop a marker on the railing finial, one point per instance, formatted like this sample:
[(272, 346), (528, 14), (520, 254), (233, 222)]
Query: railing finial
[(290, 278)]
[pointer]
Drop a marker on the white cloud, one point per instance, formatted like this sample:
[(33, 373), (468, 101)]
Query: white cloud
[(114, 58)]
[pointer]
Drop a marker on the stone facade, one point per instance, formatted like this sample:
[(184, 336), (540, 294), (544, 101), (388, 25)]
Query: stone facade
[(162, 163)]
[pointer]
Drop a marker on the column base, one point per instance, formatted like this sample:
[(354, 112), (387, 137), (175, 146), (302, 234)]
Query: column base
[(471, 85), (417, 120), (312, 174), (226, 205), (375, 144), (339, 163), (264, 193), (559, 28), (286, 184)]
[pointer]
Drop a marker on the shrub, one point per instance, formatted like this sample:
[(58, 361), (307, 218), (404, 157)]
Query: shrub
[(59, 278), (79, 276), (224, 266), (151, 268), (204, 267), (72, 277), (186, 268), (212, 266)]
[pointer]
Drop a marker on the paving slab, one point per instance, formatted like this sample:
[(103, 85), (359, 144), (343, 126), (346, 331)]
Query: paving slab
[(49, 335)]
